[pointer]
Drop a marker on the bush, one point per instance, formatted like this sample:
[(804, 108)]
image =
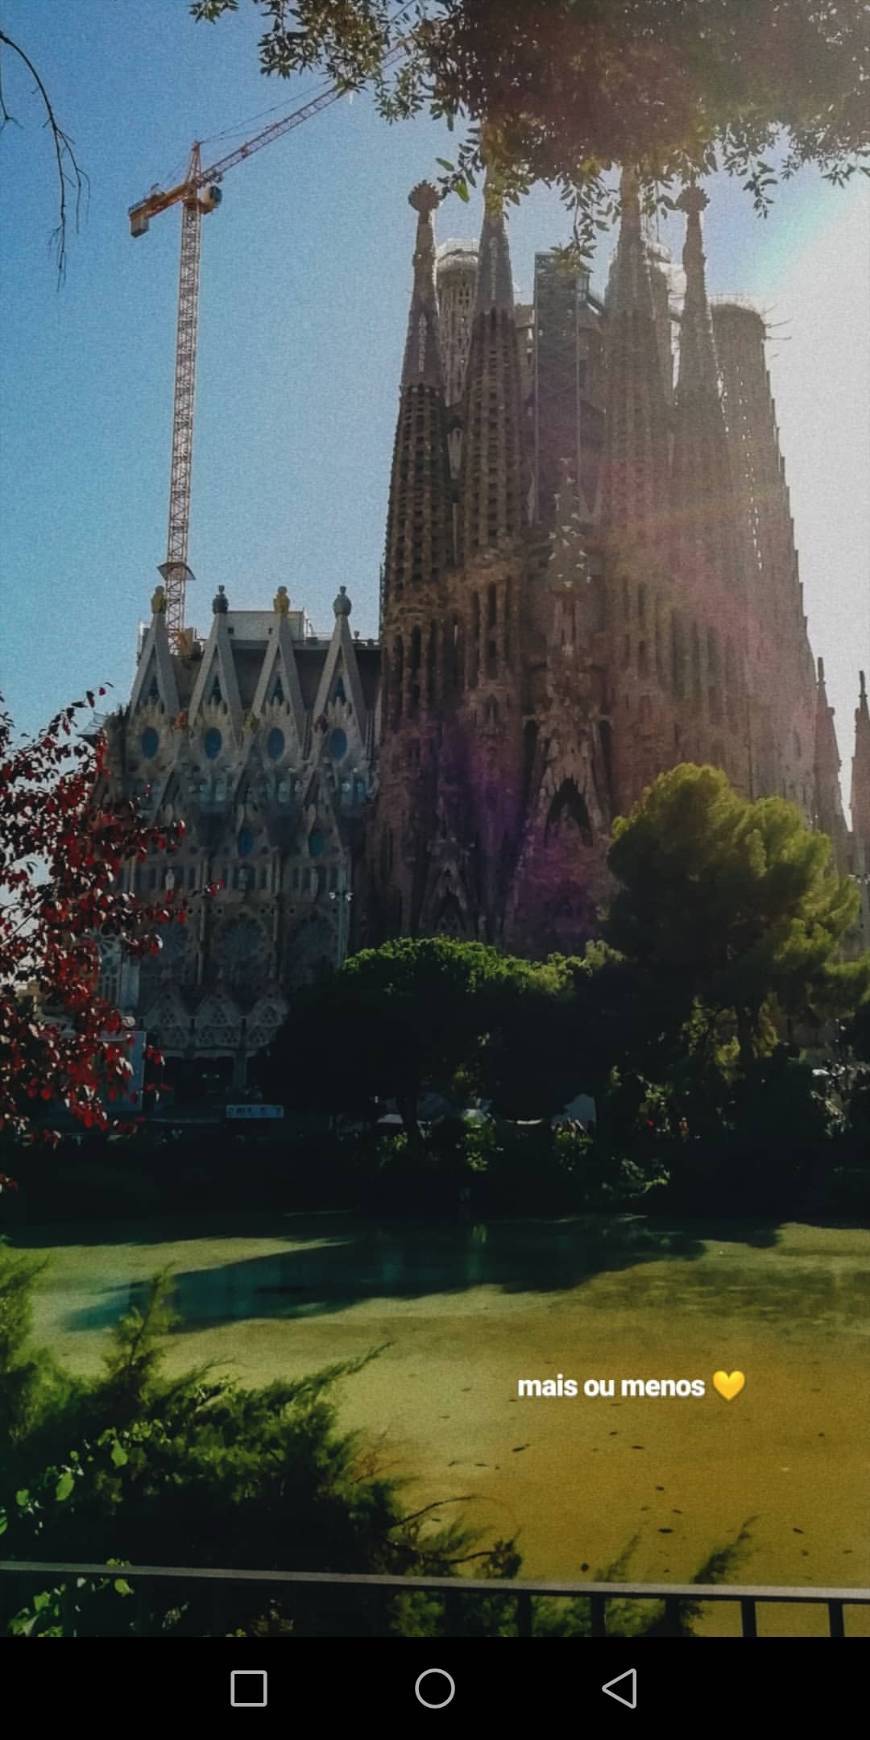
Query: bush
[(134, 1467)]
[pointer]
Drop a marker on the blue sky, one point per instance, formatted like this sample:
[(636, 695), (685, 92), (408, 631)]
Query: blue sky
[(305, 281)]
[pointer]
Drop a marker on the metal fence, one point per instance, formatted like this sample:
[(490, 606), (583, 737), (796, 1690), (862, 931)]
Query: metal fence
[(456, 1592)]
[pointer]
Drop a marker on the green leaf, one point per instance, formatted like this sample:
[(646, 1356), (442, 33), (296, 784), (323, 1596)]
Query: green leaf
[(119, 1455), (22, 1497), (64, 1486), (445, 165), (4, 1522), (462, 190), (122, 1587)]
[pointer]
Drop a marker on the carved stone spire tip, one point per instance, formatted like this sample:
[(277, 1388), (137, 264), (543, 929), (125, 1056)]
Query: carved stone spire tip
[(693, 200), (424, 198)]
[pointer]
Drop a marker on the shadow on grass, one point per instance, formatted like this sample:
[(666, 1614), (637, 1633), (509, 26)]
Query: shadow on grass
[(336, 1262)]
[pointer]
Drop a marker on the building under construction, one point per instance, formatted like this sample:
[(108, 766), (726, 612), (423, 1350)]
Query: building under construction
[(590, 575)]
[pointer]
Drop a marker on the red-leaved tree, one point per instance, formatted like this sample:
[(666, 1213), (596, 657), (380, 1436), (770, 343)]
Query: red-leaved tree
[(65, 840)]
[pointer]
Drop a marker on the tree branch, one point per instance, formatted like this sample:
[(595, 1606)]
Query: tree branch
[(72, 180)]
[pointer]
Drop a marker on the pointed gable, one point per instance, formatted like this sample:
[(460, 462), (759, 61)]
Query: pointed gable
[(155, 674), (341, 668), (278, 683), (217, 684)]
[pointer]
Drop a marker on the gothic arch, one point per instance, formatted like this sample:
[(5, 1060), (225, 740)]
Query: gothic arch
[(449, 918), (569, 806)]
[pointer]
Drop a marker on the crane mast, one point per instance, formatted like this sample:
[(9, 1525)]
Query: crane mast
[(197, 194), (174, 570)]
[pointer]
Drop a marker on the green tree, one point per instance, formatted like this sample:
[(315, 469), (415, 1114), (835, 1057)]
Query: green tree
[(434, 1014), (560, 91), (137, 1467), (733, 904), (395, 1022), (530, 1062)]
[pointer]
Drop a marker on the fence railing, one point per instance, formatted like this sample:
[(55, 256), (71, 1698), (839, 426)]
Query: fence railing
[(457, 1591)]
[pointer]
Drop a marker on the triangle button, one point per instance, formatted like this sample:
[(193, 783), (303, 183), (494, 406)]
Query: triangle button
[(627, 1694)]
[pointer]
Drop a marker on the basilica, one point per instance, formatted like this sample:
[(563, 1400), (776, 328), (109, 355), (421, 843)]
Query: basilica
[(590, 575)]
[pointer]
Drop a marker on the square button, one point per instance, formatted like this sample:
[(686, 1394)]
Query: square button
[(249, 1689)]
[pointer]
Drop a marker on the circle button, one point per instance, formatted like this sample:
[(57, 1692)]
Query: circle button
[(435, 1689)]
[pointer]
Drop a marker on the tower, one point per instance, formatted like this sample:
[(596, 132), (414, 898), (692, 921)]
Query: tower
[(701, 493), (645, 657), (782, 673), (860, 795), (418, 555), (661, 267), (860, 808), (491, 505), (419, 532), (705, 549), (456, 279), (568, 384), (633, 484), (828, 804)]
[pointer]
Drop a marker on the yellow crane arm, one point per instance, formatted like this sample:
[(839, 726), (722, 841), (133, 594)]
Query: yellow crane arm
[(162, 198)]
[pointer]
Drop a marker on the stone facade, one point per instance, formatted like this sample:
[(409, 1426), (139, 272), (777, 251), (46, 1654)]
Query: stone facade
[(260, 739), (621, 593), (590, 575)]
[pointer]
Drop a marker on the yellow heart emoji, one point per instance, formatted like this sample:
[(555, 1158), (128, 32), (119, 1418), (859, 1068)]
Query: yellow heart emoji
[(729, 1383)]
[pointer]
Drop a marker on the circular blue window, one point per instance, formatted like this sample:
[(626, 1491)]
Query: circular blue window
[(212, 743), (337, 745), (149, 743), (316, 843), (275, 744), (245, 842)]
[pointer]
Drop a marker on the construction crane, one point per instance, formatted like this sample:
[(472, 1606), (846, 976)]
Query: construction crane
[(197, 194)]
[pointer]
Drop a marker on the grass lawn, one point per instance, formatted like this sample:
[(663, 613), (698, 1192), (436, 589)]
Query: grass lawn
[(466, 1311)]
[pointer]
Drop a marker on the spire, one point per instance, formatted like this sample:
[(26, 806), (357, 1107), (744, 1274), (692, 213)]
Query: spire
[(491, 475), (697, 372), (422, 347), (860, 795), (495, 288), (630, 290), (420, 515), (633, 480), (828, 801), (705, 544)]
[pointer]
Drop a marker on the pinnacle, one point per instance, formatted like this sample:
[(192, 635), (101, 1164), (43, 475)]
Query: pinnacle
[(424, 198)]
